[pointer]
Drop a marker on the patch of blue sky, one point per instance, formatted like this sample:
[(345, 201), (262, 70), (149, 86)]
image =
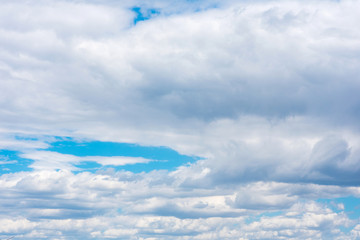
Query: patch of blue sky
[(350, 205), (269, 214), (200, 5), (88, 166), (148, 167), (27, 138), (143, 14), (162, 157), (346, 229), (206, 8), (10, 162), (40, 137)]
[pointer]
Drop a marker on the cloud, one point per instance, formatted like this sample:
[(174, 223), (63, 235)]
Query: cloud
[(86, 204), (52, 160), (265, 94), (229, 62), (213, 64)]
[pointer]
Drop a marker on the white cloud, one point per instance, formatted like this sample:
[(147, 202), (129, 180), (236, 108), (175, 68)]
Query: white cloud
[(172, 81), (316, 223), (103, 205), (265, 93), (16, 225), (47, 160)]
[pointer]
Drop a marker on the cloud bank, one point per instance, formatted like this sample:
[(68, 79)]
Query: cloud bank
[(264, 94)]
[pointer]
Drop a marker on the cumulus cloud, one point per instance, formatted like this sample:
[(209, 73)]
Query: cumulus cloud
[(123, 204), (264, 93), (245, 59)]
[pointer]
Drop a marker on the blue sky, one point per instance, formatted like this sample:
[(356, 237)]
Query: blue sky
[(179, 120), (144, 14), (158, 158)]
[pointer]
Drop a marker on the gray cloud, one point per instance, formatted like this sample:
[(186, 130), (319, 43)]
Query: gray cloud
[(265, 93), (213, 64)]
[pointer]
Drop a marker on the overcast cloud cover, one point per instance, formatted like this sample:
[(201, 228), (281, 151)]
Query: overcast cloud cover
[(263, 94)]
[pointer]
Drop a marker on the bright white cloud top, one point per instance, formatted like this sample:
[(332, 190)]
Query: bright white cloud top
[(189, 120)]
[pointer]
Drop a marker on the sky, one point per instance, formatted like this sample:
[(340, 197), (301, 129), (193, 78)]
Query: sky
[(186, 119)]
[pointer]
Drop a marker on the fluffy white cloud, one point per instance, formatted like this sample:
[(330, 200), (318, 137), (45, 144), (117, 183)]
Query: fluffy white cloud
[(244, 59), (266, 93), (173, 79), (126, 205)]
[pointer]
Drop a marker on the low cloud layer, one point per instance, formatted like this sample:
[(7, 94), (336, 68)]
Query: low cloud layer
[(122, 204)]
